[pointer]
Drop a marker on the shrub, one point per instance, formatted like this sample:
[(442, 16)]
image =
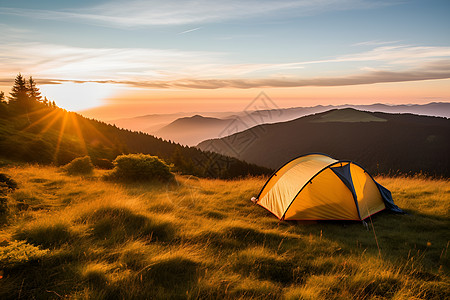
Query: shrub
[(80, 166), (140, 167), (103, 163), (19, 252)]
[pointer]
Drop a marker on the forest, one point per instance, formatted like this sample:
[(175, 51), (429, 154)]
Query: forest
[(34, 129)]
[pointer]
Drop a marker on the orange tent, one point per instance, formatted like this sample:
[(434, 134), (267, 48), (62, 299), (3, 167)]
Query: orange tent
[(318, 187)]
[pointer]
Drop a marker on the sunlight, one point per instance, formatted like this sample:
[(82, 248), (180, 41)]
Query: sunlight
[(78, 96), (60, 136), (79, 133)]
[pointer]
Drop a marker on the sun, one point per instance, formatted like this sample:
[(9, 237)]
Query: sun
[(78, 96)]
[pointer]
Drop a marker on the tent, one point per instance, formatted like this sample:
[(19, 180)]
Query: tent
[(318, 187)]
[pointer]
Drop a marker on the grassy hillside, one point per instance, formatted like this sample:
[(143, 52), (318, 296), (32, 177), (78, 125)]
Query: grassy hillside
[(52, 135), (82, 237)]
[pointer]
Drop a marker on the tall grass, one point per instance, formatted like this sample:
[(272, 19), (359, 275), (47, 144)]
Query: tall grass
[(199, 238)]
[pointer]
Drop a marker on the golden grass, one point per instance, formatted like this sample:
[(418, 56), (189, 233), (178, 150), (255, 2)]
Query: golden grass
[(203, 238)]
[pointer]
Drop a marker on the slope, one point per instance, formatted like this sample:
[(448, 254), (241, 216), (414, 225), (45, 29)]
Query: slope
[(52, 135), (399, 143), (248, 118), (84, 238)]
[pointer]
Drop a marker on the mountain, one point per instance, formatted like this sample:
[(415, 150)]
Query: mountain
[(190, 131), (147, 123), (380, 142), (436, 109), (193, 130), (154, 122), (51, 135)]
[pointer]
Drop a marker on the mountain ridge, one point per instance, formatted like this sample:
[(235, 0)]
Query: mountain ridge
[(239, 121), (405, 143)]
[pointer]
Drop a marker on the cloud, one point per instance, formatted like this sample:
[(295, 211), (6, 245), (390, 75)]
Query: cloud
[(375, 43), (190, 30), (171, 68), (434, 70), (397, 54), (176, 12), (430, 71), (76, 63)]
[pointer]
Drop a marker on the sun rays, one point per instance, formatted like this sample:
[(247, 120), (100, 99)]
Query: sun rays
[(60, 136), (66, 127)]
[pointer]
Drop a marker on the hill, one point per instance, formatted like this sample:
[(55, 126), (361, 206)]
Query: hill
[(348, 116), (192, 130), (153, 122), (76, 237), (147, 123), (380, 142), (50, 135), (434, 109), (239, 121)]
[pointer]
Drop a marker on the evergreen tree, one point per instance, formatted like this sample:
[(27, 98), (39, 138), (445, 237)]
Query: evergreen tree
[(3, 105), (33, 91), (19, 93)]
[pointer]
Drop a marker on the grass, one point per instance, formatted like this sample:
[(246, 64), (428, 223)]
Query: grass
[(83, 237)]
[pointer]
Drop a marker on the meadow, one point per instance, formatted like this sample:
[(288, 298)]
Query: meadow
[(86, 238)]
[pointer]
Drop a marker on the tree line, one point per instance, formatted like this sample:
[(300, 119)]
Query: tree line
[(34, 129), (25, 96)]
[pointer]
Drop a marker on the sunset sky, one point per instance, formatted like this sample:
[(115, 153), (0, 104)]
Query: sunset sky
[(129, 58)]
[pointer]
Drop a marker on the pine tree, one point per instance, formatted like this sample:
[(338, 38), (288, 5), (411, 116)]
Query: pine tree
[(33, 91), (178, 159), (19, 93), (3, 105)]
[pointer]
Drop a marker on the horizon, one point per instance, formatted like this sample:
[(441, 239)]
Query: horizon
[(108, 62), (207, 114)]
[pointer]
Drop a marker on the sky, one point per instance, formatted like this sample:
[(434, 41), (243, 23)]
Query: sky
[(113, 59)]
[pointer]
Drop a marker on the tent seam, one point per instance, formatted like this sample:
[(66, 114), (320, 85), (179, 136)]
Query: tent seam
[(309, 181), (274, 173)]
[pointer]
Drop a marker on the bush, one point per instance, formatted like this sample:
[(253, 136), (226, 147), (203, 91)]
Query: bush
[(80, 166), (140, 167), (19, 252), (103, 163)]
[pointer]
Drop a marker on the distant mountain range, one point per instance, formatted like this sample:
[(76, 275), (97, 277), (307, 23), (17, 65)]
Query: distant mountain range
[(192, 128), (380, 142), (152, 123)]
